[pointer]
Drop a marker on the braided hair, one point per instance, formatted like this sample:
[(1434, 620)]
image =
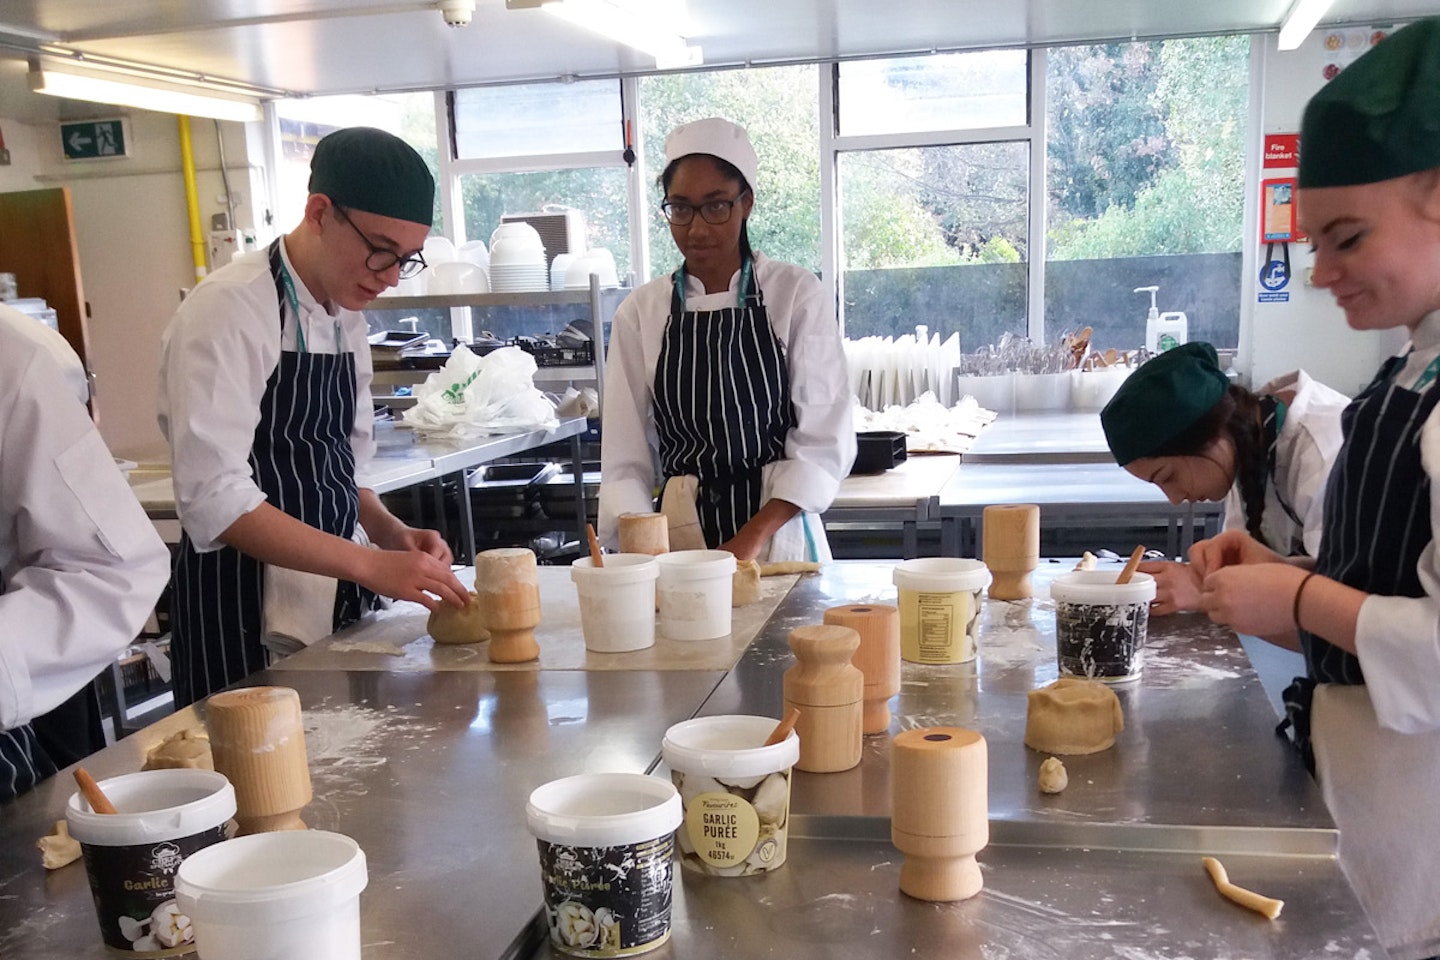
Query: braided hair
[(727, 170), (1236, 416)]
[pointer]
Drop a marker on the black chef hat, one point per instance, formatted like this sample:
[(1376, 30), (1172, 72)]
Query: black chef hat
[(1162, 400), (362, 168), (1380, 118)]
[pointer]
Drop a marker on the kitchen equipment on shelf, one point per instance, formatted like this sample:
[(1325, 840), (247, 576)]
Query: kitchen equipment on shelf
[(438, 249), (456, 276)]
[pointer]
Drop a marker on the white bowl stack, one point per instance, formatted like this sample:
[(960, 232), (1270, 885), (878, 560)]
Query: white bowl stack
[(456, 276), (595, 260), (517, 259)]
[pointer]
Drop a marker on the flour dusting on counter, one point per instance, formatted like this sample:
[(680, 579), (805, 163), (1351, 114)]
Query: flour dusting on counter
[(343, 742)]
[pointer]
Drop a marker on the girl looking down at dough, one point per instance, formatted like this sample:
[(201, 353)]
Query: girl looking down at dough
[(1179, 423)]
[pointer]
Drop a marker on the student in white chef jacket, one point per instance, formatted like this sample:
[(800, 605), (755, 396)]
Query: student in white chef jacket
[(1179, 423), (80, 564), (725, 382), (1368, 611), (265, 401)]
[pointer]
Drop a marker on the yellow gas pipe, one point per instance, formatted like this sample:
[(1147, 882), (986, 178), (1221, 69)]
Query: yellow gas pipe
[(192, 199)]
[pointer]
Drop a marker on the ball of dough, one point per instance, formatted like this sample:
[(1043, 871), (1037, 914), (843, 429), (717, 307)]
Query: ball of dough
[(188, 749), (466, 625), (745, 583), (1073, 716), (1053, 777)]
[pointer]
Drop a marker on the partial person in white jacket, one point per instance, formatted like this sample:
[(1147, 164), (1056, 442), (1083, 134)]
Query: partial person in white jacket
[(1367, 612), (725, 382), (81, 566), (1179, 423)]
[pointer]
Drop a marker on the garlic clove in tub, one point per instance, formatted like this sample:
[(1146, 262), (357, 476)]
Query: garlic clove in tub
[(169, 926), (770, 799), (692, 786), (576, 923)]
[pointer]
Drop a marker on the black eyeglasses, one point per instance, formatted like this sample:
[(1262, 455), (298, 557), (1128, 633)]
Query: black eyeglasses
[(381, 259), (711, 211)]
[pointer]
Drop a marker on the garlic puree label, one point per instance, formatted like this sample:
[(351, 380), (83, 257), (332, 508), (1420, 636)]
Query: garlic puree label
[(133, 887), (723, 828), (608, 901)]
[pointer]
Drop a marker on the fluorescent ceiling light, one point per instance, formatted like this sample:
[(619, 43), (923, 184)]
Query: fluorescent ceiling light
[(148, 93), (635, 23), (1301, 19)]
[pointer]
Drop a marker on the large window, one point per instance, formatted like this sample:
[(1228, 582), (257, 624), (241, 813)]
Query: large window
[(925, 189), (1145, 186), (777, 107), (536, 147), (934, 209), (959, 91)]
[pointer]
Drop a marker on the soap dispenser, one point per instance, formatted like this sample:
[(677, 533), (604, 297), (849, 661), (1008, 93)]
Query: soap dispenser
[(1163, 330)]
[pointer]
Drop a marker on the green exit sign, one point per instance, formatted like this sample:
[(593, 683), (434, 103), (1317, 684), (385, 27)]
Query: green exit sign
[(94, 139)]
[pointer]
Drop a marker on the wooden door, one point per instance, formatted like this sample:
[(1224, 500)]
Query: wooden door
[(37, 244)]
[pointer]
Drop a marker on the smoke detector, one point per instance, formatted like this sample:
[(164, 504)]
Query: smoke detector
[(457, 13)]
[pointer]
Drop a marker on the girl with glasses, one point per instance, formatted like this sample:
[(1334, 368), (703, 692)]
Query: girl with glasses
[(728, 375)]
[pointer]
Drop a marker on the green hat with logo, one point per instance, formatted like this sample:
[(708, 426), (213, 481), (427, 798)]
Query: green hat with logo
[(1162, 400), (1380, 118), (362, 168)]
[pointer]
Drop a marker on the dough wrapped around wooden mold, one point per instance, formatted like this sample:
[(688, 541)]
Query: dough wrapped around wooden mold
[(464, 625), (1073, 716)]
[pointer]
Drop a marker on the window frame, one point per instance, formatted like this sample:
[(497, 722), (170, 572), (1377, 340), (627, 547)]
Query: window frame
[(833, 143)]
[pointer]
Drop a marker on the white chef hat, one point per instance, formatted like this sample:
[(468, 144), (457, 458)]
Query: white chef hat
[(718, 138)]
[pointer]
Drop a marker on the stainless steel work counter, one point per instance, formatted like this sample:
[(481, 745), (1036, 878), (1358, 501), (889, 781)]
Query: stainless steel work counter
[(429, 772)]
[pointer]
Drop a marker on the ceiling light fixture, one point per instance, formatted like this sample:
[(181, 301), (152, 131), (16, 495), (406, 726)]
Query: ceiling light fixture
[(635, 23), (1300, 20), (133, 89)]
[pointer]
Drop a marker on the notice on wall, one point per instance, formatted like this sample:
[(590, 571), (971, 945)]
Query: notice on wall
[(1344, 46)]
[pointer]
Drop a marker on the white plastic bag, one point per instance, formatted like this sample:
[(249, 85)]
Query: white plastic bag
[(471, 395)]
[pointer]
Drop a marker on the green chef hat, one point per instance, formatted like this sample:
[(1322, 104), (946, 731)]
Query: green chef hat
[(1161, 400), (362, 168), (1380, 118)]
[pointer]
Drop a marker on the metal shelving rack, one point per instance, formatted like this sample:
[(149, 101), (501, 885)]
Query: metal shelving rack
[(590, 298)]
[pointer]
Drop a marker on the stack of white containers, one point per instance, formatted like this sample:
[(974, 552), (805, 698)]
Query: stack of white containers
[(577, 270), (452, 271), (517, 259)]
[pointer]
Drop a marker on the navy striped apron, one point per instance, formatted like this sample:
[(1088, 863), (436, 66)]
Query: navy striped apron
[(23, 762), (302, 461), (1377, 523), (722, 403)]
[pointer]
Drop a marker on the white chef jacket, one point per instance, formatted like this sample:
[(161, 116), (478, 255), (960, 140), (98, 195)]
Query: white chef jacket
[(216, 357), (80, 564), (1305, 448), (819, 449), (71, 367), (1398, 638)]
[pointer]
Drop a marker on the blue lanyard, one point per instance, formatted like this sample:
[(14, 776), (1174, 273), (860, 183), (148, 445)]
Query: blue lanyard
[(747, 269), (294, 300)]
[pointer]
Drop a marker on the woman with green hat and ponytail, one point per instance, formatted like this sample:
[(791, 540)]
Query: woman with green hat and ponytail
[(1179, 423), (1367, 612)]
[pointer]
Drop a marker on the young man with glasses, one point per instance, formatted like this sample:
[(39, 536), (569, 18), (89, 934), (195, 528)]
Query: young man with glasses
[(265, 401), (729, 374)]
